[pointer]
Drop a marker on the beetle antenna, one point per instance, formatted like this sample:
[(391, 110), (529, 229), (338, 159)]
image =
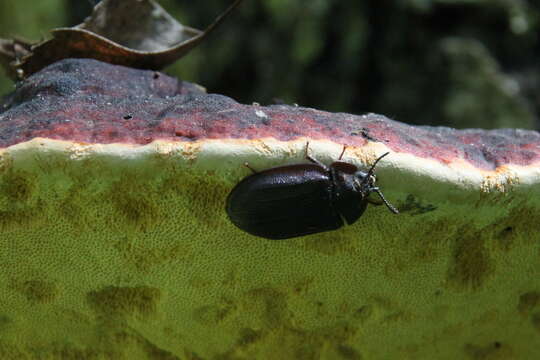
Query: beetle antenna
[(388, 205), (370, 172), (342, 152)]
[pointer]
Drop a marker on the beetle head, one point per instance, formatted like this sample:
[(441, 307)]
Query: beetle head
[(365, 184)]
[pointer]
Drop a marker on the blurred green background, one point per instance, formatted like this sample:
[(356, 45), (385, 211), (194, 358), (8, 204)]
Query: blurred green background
[(458, 63)]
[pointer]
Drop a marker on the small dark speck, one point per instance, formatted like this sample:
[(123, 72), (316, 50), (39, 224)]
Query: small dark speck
[(156, 75), (128, 117), (497, 344), (266, 121), (364, 132)]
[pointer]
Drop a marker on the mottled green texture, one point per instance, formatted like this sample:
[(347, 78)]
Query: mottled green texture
[(125, 252), (459, 63)]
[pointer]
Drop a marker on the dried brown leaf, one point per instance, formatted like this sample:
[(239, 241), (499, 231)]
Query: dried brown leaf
[(135, 33)]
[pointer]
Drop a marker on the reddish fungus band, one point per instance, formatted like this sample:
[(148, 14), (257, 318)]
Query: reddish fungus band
[(83, 100)]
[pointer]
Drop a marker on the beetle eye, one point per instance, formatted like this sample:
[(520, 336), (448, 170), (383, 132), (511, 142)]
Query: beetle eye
[(360, 175)]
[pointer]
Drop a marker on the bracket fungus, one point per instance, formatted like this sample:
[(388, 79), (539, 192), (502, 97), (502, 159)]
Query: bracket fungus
[(115, 242)]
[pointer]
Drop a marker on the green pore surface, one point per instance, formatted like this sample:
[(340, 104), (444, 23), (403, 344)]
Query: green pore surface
[(133, 257)]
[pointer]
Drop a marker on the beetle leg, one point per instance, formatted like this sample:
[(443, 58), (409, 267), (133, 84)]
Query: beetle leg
[(250, 168), (342, 152), (315, 161)]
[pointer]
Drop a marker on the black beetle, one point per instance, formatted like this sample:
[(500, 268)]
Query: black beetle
[(295, 200)]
